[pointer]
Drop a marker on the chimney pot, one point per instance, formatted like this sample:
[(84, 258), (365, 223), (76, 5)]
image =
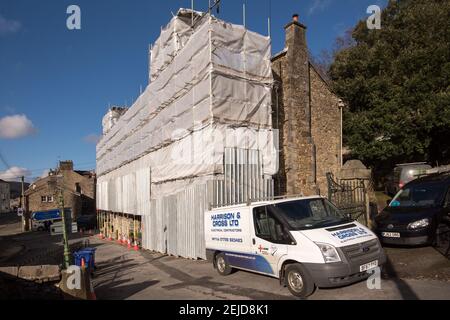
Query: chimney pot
[(295, 17)]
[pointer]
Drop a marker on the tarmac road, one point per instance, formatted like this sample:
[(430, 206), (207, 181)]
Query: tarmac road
[(413, 273), (125, 274)]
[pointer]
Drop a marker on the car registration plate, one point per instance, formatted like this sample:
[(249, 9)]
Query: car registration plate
[(391, 234), (368, 266)]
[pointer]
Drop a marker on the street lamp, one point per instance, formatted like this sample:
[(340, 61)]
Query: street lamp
[(53, 183)]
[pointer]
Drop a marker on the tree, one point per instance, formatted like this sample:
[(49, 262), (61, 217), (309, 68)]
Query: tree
[(396, 83)]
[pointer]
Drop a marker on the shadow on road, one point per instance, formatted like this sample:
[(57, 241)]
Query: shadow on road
[(405, 290), (187, 280), (114, 288)]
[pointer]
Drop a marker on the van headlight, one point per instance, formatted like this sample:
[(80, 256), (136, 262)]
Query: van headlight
[(329, 252), (419, 224)]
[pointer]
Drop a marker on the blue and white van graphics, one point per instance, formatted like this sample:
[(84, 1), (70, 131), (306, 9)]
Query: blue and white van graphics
[(305, 242)]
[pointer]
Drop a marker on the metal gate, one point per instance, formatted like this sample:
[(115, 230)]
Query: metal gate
[(350, 196)]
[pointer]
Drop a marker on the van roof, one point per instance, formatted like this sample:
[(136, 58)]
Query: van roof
[(264, 202)]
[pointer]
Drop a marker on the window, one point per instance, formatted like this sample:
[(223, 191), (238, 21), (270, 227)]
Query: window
[(77, 187), (309, 214), (47, 198), (419, 195), (267, 227)]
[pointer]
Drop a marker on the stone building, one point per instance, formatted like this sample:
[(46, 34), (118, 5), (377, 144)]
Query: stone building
[(308, 116), (79, 191), (4, 197)]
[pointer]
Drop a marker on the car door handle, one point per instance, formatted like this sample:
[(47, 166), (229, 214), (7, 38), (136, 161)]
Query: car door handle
[(254, 241)]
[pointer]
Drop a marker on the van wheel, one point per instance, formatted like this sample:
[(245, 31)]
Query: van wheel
[(299, 283), (222, 266)]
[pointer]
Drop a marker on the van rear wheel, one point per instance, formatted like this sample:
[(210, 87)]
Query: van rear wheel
[(298, 281), (222, 265)]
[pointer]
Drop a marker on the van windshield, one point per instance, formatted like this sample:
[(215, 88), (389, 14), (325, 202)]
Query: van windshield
[(310, 214), (420, 195)]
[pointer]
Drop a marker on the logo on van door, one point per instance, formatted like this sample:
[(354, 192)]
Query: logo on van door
[(263, 250), (350, 234), (227, 220)]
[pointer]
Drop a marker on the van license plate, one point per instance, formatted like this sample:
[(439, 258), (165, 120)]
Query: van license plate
[(368, 266), (391, 234)]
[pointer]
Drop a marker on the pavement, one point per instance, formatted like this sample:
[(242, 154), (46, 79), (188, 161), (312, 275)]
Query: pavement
[(126, 274), (19, 248), (10, 225)]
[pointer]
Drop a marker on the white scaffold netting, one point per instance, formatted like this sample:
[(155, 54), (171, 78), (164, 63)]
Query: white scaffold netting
[(210, 90)]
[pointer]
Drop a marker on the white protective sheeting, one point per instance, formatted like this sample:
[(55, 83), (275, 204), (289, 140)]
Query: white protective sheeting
[(210, 91), (218, 72)]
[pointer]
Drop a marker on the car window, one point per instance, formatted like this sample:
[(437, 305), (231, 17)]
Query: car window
[(309, 214), (268, 227), (420, 195)]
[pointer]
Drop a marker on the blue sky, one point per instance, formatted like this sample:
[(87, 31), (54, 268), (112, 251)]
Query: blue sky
[(56, 84)]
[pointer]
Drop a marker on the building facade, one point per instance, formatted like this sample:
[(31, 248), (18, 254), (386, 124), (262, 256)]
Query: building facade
[(4, 197), (308, 116), (78, 186), (206, 132), (200, 134)]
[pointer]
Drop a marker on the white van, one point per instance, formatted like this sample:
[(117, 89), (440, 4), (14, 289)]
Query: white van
[(305, 242)]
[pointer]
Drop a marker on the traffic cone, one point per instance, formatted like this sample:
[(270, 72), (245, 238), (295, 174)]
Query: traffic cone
[(129, 244), (92, 292), (136, 247), (120, 240)]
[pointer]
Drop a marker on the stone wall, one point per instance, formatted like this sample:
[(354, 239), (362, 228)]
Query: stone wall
[(326, 129), (307, 115)]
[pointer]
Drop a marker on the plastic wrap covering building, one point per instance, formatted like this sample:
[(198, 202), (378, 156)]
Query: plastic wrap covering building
[(199, 135)]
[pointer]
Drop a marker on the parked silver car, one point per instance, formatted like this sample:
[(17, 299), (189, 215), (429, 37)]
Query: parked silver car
[(402, 174)]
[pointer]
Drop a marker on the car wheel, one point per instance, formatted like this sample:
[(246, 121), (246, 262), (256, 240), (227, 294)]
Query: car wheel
[(222, 266), (298, 281)]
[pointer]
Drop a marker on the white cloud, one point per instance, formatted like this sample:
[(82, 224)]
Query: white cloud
[(16, 126), (9, 26), (318, 5), (14, 174), (92, 138)]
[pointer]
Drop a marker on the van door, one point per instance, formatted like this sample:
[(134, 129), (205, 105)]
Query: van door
[(270, 240)]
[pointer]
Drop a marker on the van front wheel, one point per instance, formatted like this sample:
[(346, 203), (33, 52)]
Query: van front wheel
[(299, 283), (222, 266)]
